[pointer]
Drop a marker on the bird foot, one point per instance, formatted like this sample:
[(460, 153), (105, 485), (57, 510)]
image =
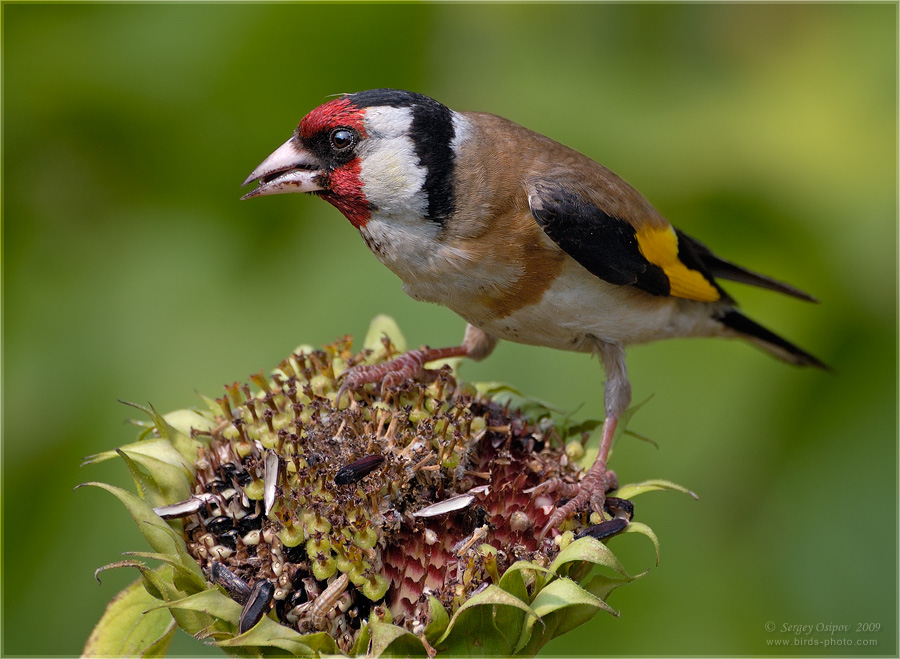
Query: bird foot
[(592, 488), (408, 365), (558, 486)]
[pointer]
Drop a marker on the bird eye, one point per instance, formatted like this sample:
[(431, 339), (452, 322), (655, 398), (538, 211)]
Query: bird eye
[(342, 138)]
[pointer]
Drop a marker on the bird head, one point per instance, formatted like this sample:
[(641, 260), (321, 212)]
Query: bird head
[(384, 151)]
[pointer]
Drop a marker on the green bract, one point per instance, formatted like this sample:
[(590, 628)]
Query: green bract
[(285, 519)]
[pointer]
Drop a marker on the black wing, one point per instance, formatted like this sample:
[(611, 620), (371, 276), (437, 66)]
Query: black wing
[(719, 267), (607, 246)]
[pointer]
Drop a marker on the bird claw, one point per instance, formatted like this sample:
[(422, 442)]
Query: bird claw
[(558, 486), (389, 374), (592, 488)]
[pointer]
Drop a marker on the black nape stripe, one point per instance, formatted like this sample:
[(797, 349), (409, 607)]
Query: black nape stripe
[(432, 133)]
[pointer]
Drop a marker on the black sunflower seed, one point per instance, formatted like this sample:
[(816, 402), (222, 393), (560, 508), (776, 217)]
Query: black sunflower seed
[(256, 606), (605, 529), (355, 471), (237, 588)]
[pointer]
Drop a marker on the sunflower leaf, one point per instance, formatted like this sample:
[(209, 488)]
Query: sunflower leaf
[(589, 550), (125, 630), (474, 625), (632, 490), (393, 641), (561, 606)]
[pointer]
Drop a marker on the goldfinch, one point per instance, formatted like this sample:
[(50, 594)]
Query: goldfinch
[(528, 240)]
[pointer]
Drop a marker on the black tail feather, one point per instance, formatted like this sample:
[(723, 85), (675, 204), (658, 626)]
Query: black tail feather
[(769, 341)]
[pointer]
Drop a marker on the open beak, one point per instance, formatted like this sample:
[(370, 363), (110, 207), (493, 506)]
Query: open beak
[(290, 168)]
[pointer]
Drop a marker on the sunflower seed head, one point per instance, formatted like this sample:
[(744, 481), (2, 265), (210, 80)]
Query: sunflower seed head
[(325, 512)]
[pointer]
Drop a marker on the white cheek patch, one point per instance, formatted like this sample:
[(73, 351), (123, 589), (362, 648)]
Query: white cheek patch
[(393, 180), (387, 122)]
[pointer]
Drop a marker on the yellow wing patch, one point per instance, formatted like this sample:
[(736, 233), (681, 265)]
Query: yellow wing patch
[(660, 247)]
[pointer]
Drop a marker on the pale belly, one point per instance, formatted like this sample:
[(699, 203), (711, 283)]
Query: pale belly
[(577, 311), (574, 313)]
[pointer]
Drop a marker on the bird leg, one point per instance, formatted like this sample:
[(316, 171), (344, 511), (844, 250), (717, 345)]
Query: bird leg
[(592, 487), (476, 345), (598, 480)]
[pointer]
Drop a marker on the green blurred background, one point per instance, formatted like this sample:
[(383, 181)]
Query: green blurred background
[(131, 271)]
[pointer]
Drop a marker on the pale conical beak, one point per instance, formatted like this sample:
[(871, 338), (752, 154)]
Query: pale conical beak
[(290, 168)]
